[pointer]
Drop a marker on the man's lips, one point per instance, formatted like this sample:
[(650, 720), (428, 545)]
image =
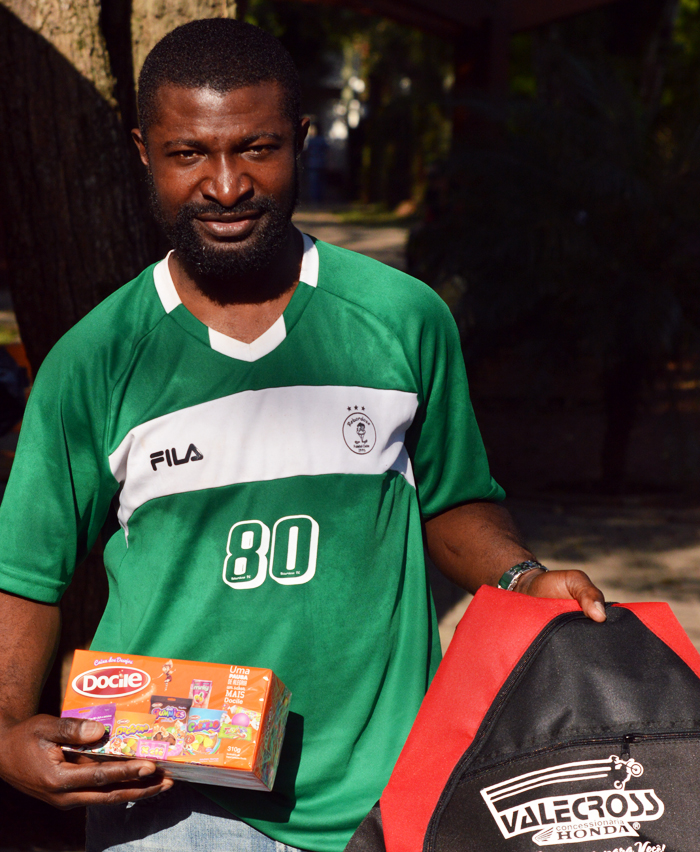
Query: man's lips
[(228, 226)]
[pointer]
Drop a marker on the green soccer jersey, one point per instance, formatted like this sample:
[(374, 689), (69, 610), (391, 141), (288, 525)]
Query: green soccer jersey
[(269, 499)]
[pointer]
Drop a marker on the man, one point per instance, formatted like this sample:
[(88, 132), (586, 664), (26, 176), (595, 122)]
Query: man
[(279, 425)]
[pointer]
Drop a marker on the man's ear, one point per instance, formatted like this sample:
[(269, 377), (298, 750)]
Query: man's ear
[(304, 125), (141, 145)]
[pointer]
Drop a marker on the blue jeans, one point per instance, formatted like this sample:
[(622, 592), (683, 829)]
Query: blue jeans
[(180, 820)]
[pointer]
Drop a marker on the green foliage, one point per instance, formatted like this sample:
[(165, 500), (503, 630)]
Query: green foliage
[(573, 234), (687, 33), (683, 77), (580, 229), (406, 125), (310, 32)]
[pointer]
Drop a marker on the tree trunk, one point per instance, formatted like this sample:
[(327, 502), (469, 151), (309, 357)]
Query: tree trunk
[(73, 223), (152, 19)]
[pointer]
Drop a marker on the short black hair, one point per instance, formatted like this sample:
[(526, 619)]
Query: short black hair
[(220, 54)]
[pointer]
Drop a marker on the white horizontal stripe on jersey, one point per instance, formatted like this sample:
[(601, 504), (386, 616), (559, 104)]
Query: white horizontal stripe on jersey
[(263, 435)]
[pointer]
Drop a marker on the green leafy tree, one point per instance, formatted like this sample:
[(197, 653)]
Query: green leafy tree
[(408, 128), (576, 238)]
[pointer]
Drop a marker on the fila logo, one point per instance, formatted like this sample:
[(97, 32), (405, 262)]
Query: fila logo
[(170, 456)]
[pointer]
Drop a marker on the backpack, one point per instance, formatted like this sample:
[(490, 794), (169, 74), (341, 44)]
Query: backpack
[(545, 730)]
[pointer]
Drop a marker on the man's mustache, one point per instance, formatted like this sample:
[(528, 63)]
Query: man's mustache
[(261, 204)]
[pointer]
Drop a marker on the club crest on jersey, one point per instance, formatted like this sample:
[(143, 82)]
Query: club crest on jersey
[(579, 810), (358, 431), (170, 457)]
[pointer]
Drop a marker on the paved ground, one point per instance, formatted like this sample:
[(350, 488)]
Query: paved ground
[(632, 552)]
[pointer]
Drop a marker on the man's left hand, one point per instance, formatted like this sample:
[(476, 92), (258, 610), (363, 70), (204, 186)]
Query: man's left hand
[(564, 584), (475, 543)]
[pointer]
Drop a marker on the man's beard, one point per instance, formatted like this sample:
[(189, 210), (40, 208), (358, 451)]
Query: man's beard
[(217, 265)]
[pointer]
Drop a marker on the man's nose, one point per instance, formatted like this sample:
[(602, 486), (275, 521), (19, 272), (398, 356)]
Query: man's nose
[(227, 182)]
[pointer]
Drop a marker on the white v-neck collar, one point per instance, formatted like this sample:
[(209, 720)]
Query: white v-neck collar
[(268, 340)]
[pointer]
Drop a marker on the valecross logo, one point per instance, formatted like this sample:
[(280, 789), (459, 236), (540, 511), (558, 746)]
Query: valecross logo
[(574, 815), (111, 682), (170, 456)]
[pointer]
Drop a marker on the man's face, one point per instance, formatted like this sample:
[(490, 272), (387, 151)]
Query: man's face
[(223, 175)]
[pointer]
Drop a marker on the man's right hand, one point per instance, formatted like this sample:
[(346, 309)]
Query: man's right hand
[(32, 760), (31, 757)]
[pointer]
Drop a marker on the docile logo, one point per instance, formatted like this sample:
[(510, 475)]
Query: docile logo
[(111, 682)]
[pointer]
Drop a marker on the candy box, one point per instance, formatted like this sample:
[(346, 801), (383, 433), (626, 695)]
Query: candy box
[(205, 722)]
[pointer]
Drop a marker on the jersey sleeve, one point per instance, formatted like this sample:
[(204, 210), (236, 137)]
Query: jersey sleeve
[(59, 491), (444, 442)]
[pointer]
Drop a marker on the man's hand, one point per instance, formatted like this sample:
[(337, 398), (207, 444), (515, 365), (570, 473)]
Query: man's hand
[(31, 757), (475, 544), (564, 584), (32, 760)]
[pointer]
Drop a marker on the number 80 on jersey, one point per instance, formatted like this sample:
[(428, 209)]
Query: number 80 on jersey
[(292, 548)]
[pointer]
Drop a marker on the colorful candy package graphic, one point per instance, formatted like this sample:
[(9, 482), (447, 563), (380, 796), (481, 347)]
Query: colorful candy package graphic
[(103, 713), (207, 722), (199, 693)]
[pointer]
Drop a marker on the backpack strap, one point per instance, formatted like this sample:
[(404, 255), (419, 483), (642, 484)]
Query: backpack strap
[(476, 665)]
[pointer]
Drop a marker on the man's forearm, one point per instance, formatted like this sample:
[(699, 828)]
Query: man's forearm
[(29, 633), (31, 757), (475, 544)]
